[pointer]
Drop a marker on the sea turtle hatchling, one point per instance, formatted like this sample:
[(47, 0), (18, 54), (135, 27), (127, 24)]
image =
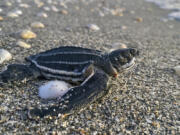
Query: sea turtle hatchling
[(88, 69)]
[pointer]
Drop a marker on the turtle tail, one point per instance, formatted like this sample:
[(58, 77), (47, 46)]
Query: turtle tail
[(18, 73)]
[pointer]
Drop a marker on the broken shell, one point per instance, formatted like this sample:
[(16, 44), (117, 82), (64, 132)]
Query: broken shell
[(118, 46), (27, 34), (177, 70), (55, 9), (139, 19), (37, 25), (24, 5), (93, 27), (12, 15), (42, 14), (23, 44), (4, 55), (64, 12), (1, 18)]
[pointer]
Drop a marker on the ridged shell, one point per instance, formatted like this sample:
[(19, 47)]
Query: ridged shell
[(66, 63)]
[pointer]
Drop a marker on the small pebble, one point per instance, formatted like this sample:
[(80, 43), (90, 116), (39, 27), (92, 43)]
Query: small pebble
[(118, 45), (53, 89), (64, 12), (1, 18), (12, 14), (27, 34), (18, 12), (46, 8), (42, 14), (139, 19), (177, 70), (116, 12), (23, 44), (63, 5), (55, 9), (37, 25), (4, 56), (1, 9), (8, 4), (93, 27), (24, 5)]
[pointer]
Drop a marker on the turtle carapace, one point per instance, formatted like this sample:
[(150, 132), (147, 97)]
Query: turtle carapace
[(87, 68)]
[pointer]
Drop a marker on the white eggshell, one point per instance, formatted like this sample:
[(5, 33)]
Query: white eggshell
[(53, 89)]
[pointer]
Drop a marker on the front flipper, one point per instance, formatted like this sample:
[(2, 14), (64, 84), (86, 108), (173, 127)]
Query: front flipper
[(17, 73), (78, 97)]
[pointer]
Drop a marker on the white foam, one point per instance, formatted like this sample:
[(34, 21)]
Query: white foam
[(53, 89), (173, 5)]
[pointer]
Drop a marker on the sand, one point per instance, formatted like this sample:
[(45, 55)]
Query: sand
[(145, 100)]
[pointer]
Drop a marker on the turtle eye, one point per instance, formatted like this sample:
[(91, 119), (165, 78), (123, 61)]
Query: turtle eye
[(134, 52)]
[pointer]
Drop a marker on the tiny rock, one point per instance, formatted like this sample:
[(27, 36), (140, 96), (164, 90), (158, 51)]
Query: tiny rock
[(46, 8), (37, 25), (8, 4), (4, 56), (55, 9), (64, 12), (117, 12), (1, 9), (118, 45), (93, 27), (139, 19), (177, 70), (18, 12), (1, 18), (12, 15), (42, 14), (23, 44), (24, 5), (27, 34)]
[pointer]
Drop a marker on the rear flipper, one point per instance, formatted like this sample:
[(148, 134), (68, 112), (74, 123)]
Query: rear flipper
[(17, 73), (78, 97)]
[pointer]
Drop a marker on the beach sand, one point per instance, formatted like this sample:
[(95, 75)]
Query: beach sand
[(143, 101)]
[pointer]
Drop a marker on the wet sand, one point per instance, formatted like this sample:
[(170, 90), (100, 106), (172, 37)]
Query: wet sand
[(143, 101)]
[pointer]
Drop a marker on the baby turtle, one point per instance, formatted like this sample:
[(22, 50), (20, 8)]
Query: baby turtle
[(88, 69)]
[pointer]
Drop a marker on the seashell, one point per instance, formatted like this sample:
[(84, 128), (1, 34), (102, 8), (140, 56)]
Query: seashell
[(42, 14), (12, 14), (1, 18), (177, 70), (64, 12), (24, 5), (46, 8), (139, 19), (18, 12), (93, 27), (53, 89), (63, 5), (8, 4), (4, 56), (55, 9), (23, 44), (118, 45), (27, 34), (37, 25)]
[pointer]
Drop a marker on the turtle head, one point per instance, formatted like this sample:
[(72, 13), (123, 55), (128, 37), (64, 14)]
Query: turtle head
[(123, 59)]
